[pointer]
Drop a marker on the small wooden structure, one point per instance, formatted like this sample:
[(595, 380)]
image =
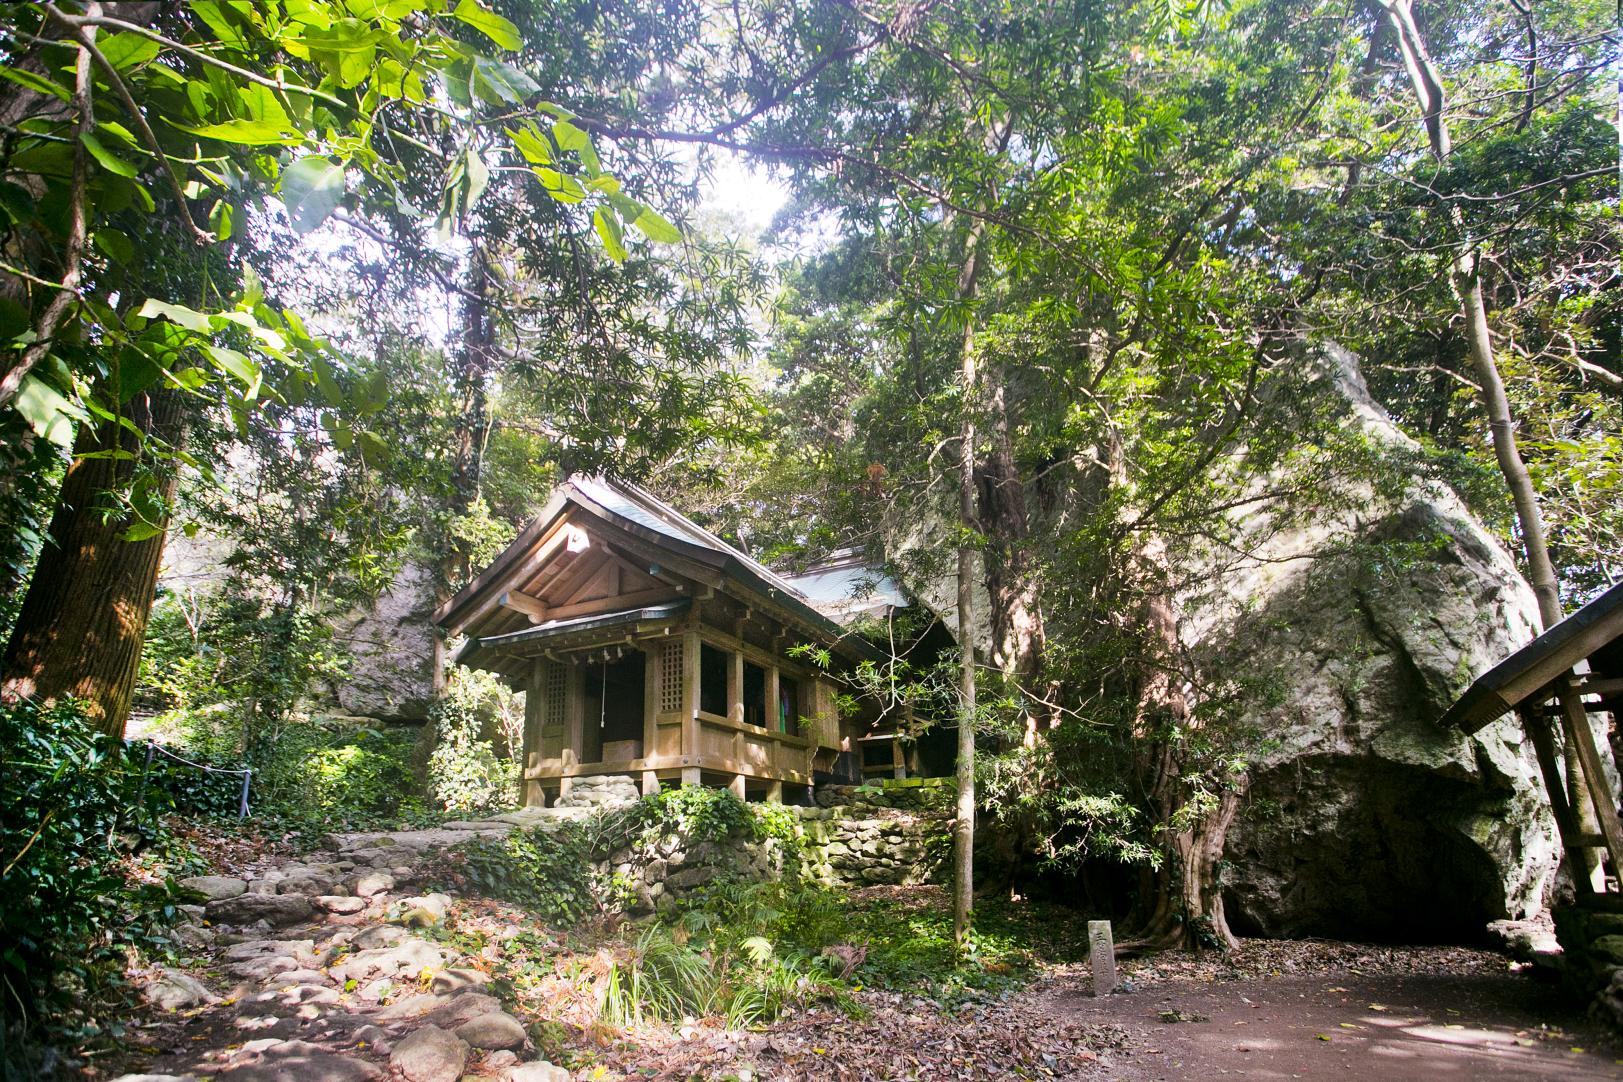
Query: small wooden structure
[(1556, 681), (649, 647)]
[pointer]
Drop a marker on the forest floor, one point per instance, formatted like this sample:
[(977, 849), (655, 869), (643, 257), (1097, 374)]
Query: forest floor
[(330, 968)]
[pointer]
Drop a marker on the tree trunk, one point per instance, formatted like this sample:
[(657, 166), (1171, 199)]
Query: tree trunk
[(80, 630), (471, 378), (1012, 584), (963, 834), (1465, 278)]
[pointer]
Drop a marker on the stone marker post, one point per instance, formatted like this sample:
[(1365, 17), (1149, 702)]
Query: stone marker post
[(1102, 952)]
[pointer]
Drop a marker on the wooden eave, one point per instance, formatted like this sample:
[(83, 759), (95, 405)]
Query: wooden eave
[(1528, 675)]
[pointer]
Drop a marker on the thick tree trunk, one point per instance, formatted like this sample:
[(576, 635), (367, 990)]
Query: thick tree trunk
[(1012, 584), (80, 630), (1182, 900)]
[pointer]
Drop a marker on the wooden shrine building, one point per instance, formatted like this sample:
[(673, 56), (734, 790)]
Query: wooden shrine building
[(649, 647), (1555, 683)]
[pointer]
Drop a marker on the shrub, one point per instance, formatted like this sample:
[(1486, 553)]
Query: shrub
[(466, 773), (69, 834), (550, 874)]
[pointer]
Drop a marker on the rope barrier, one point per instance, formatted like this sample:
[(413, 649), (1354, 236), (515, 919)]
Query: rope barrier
[(153, 748)]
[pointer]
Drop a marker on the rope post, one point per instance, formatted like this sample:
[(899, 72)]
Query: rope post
[(242, 805), (146, 767)]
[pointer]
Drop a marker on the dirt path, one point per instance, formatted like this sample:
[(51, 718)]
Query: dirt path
[(334, 967), (1472, 1025)]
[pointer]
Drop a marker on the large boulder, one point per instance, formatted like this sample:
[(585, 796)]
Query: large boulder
[(1352, 628), (391, 645)]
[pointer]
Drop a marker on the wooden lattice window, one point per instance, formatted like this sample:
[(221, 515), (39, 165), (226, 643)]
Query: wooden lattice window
[(552, 695), (670, 676)]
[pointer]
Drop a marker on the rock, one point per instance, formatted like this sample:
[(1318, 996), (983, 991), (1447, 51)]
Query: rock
[(390, 644), (307, 883), (452, 981), (501, 1058), (410, 957), (1360, 623), (371, 884), (272, 951), (275, 909), (216, 887), (379, 935), (424, 912), (494, 1030), (156, 1078), (336, 903), (172, 990), (536, 1071), (464, 1008), (430, 1055), (300, 1061)]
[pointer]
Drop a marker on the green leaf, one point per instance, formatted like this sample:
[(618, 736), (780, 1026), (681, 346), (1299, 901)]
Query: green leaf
[(243, 368), (114, 245), (530, 143), (189, 318), (105, 157), (373, 448), (140, 531), (478, 177), (607, 224), (327, 383), (488, 23), (311, 190), (499, 84), (126, 51), (252, 133), (47, 412), (561, 186), (655, 227), (34, 82)]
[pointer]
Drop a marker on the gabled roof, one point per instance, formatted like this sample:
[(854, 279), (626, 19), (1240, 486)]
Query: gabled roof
[(631, 511), (1593, 633), (845, 586)]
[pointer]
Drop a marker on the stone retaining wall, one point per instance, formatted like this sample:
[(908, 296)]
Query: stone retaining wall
[(890, 832), (885, 832), (1591, 941)]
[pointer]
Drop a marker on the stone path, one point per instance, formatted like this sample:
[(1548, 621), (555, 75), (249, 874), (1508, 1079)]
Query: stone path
[(319, 970)]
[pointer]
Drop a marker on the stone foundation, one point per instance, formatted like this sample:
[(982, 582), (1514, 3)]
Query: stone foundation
[(885, 832), (888, 832), (1591, 938)]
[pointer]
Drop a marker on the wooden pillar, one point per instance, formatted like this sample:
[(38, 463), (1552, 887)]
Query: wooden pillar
[(574, 716), (650, 699), (737, 786), (735, 686), (1575, 720), (535, 691), (774, 792), (690, 695), (650, 783), (690, 775), (773, 723), (1538, 730)]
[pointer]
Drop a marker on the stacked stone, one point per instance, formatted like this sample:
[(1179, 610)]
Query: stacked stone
[(602, 791), (891, 833), (1592, 956), (654, 877)]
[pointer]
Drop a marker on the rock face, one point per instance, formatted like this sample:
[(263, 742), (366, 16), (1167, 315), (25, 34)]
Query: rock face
[(1356, 629), (391, 642), (391, 645)]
